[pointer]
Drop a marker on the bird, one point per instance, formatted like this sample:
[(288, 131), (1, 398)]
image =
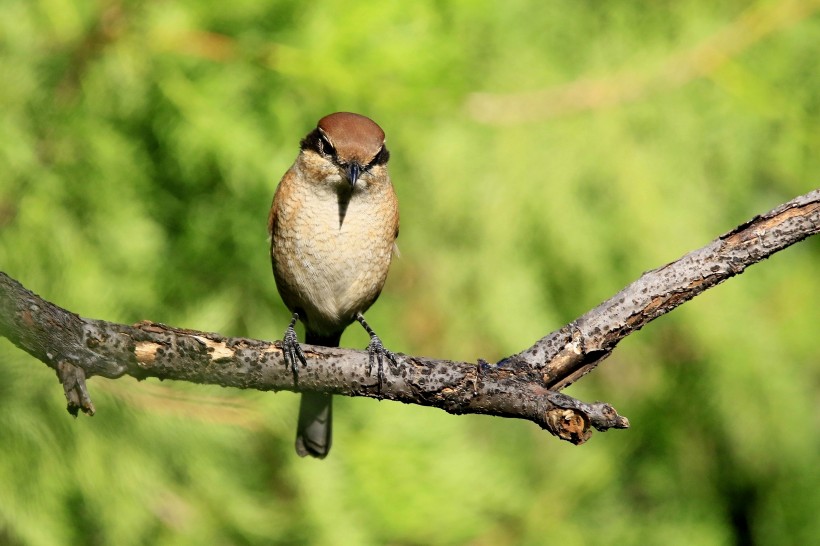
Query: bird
[(333, 225)]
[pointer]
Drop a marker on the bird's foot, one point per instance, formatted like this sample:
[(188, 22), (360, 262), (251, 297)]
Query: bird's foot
[(291, 349), (377, 353)]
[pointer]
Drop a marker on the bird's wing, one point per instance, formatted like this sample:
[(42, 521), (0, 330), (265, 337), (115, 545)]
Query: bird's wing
[(281, 189), (272, 215)]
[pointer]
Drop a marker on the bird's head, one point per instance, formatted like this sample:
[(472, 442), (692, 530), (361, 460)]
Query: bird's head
[(351, 142)]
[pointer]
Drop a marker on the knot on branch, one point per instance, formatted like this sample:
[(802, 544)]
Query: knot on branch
[(568, 424), (572, 420)]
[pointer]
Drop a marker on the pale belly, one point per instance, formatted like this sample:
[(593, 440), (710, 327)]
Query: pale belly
[(329, 267)]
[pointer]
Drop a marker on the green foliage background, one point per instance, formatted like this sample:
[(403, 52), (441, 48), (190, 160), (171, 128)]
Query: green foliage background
[(544, 153)]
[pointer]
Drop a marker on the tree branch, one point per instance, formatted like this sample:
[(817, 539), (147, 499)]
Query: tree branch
[(521, 386), (568, 354)]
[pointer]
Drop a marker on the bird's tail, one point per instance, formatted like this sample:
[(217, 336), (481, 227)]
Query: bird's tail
[(314, 430)]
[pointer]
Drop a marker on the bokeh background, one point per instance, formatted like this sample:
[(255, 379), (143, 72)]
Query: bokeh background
[(545, 153)]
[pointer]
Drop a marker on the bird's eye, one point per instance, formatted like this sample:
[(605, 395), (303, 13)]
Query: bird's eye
[(381, 158), (326, 147)]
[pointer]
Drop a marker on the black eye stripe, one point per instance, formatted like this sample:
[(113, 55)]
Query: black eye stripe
[(381, 158), (317, 142), (326, 146)]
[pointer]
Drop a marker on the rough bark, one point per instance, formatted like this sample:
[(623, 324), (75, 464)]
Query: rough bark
[(522, 386), (576, 349)]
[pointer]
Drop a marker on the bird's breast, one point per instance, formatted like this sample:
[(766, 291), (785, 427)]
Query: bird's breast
[(332, 249)]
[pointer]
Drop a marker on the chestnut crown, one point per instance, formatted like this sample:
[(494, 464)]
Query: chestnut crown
[(348, 139)]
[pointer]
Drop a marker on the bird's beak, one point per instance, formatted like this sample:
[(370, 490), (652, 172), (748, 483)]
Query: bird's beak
[(353, 172)]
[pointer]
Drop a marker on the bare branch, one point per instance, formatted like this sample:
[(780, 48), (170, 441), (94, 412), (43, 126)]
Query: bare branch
[(522, 386), (573, 351), (78, 348)]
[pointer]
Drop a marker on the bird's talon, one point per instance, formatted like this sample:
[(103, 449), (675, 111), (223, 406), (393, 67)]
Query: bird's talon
[(291, 350), (376, 351)]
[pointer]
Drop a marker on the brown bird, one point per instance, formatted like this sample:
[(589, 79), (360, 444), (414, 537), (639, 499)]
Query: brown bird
[(333, 225)]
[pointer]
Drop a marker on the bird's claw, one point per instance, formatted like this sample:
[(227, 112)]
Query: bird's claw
[(376, 352), (291, 350)]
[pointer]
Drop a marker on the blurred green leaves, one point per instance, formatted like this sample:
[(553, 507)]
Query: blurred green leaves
[(140, 145)]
